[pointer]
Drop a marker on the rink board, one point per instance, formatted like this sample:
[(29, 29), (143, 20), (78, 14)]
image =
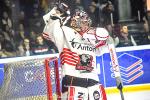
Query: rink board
[(134, 67), (1, 74)]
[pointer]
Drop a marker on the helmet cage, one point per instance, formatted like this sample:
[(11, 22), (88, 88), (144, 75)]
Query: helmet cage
[(79, 17)]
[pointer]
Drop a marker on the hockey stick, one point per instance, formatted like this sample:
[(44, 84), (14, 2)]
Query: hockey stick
[(115, 66), (121, 93)]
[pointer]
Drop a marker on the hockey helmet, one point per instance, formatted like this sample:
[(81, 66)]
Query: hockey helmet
[(78, 17)]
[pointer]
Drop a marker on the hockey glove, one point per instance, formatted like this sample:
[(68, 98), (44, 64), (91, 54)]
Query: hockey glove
[(63, 8)]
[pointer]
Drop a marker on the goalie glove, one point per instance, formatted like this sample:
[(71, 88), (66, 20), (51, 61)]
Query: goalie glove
[(64, 9), (59, 12)]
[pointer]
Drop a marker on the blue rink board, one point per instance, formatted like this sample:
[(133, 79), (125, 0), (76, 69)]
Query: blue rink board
[(141, 57), (1, 74)]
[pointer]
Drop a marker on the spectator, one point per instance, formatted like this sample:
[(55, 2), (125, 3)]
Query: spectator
[(137, 6), (8, 34), (78, 4), (6, 20), (97, 13), (8, 49), (22, 17), (110, 29), (75, 4), (91, 12), (7, 6), (23, 20), (44, 5), (107, 10), (36, 23), (102, 11), (24, 49), (21, 33), (125, 39), (41, 47), (33, 36)]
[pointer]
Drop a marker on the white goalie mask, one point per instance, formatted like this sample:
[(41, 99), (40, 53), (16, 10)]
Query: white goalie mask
[(78, 17)]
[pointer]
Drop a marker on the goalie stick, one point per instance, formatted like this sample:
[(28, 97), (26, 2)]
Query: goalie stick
[(121, 93), (115, 66)]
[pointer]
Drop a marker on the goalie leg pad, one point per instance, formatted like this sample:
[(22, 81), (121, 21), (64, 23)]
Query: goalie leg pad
[(75, 93), (97, 92)]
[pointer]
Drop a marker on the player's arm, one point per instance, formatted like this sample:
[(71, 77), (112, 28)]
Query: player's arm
[(53, 27)]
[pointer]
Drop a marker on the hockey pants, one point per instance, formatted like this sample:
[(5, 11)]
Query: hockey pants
[(82, 89)]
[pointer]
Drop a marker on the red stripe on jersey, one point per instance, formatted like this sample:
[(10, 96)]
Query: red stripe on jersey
[(69, 51), (69, 57), (67, 62), (71, 93)]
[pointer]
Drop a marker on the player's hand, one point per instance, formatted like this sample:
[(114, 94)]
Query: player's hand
[(56, 14), (63, 9), (61, 12)]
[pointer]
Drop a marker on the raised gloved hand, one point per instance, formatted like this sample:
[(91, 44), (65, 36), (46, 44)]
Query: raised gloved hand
[(63, 9), (60, 11)]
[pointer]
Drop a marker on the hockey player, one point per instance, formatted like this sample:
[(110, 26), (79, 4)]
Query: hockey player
[(78, 46)]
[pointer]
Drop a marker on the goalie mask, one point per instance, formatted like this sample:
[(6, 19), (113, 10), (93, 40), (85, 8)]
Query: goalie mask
[(80, 17)]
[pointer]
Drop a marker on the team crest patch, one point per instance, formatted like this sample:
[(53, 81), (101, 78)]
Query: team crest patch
[(96, 95), (85, 62)]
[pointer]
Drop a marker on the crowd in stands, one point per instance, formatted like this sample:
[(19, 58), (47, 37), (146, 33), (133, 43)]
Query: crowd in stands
[(22, 37), (20, 32)]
